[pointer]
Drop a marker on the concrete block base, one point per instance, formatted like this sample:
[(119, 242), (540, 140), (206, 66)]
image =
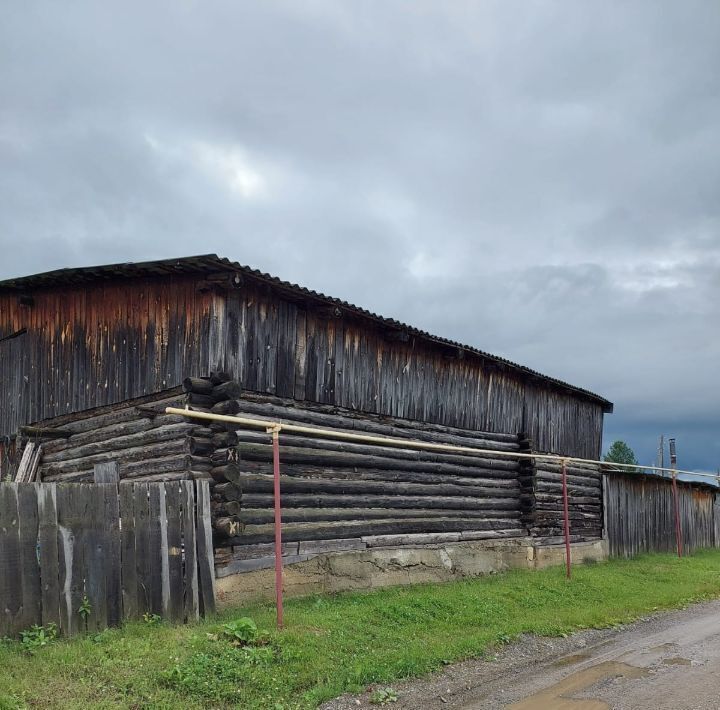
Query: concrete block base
[(382, 567)]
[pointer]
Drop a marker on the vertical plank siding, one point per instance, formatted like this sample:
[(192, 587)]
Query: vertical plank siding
[(82, 347), (118, 553), (641, 518)]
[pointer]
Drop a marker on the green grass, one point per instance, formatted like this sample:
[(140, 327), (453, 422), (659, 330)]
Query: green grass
[(343, 643)]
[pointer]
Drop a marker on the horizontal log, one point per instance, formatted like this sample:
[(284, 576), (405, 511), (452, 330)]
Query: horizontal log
[(291, 408), (305, 500), (227, 508), (87, 420), (473, 476), (259, 483), (224, 439), (115, 442), (574, 500), (135, 425), (228, 490), (197, 385), (44, 432), (176, 462), (263, 516), (153, 477), (228, 473), (227, 390), (361, 449), (254, 534), (230, 406), (203, 401), (137, 453), (303, 472), (559, 540), (332, 459)]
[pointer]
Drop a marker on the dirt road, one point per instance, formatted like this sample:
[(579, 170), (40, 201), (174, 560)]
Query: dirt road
[(667, 662)]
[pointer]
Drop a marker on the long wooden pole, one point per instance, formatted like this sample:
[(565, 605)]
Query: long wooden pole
[(566, 518), (278, 528)]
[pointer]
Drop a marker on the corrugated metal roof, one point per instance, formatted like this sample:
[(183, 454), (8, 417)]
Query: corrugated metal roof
[(212, 262)]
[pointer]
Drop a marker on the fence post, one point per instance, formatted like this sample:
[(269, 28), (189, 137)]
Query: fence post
[(566, 518), (676, 505), (278, 527)]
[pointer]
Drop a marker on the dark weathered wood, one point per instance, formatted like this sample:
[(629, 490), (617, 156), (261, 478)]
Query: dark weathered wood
[(95, 535), (258, 483), (72, 514), (264, 516), (48, 555), (230, 406), (206, 568), (11, 621), (112, 552), (30, 569), (197, 385), (173, 512), (156, 551), (227, 390), (228, 491), (127, 551), (641, 516), (329, 531), (320, 500), (44, 432), (111, 443), (200, 401), (228, 526), (197, 446), (65, 553), (218, 377), (229, 472), (141, 508), (106, 472), (191, 603)]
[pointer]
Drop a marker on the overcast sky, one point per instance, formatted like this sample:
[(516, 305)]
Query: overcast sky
[(538, 179)]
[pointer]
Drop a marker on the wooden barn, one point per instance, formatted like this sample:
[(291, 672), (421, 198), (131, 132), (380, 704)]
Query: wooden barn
[(90, 357)]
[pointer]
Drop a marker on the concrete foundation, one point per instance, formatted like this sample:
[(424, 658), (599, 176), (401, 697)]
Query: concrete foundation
[(382, 567)]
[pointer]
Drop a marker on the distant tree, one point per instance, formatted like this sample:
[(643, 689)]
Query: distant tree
[(620, 453)]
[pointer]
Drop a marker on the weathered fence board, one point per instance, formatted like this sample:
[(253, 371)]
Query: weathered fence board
[(116, 552), (641, 516)]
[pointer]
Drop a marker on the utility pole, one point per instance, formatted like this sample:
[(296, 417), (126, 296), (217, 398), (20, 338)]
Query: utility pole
[(678, 524), (661, 453)]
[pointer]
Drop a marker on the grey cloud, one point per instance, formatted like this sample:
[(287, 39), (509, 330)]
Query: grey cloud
[(537, 179)]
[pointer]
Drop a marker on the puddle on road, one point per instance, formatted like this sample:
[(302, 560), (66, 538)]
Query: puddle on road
[(558, 696), (677, 661)]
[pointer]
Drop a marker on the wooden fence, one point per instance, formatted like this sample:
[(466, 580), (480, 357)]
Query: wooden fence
[(88, 556), (641, 517)]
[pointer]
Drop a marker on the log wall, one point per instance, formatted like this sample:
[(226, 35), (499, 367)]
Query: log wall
[(641, 518), (147, 444), (339, 495), (80, 347), (585, 501)]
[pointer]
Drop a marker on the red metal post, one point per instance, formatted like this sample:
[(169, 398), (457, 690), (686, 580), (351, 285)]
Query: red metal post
[(278, 529), (566, 517), (678, 527)]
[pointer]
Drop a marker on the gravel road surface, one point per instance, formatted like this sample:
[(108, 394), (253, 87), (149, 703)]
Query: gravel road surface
[(669, 661)]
